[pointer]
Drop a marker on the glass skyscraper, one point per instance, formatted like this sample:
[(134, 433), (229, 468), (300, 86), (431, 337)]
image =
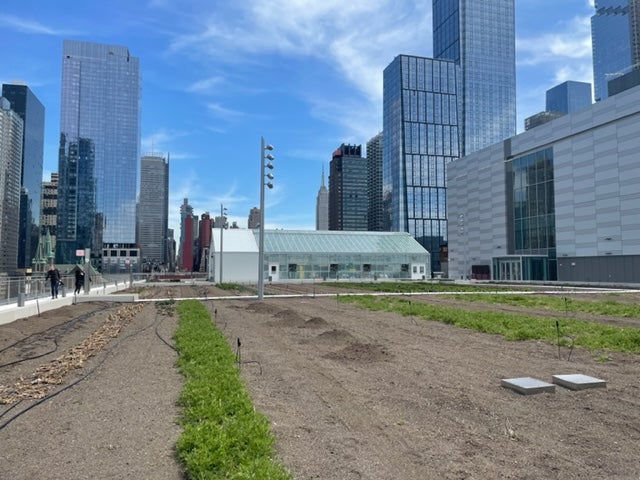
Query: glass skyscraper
[(348, 189), (27, 105), (421, 114), (611, 43), (153, 210), (374, 171), (99, 143), (479, 35), (568, 97)]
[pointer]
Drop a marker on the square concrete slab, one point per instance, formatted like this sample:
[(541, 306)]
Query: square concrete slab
[(578, 381), (528, 385)]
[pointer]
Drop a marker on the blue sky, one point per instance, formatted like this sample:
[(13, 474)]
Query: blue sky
[(305, 74)]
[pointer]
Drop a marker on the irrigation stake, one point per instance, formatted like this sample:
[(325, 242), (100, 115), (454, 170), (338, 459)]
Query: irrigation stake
[(238, 354), (558, 333)]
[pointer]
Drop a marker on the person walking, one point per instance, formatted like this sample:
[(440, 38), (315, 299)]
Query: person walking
[(79, 281), (53, 275)]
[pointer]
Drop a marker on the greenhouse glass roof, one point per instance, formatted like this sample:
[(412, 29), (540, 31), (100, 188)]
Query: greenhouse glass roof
[(313, 241)]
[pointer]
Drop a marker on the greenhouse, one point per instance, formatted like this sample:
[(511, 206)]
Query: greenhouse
[(317, 255)]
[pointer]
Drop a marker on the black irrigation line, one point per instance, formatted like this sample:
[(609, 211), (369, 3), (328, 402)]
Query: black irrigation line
[(160, 336), (72, 384), (67, 326)]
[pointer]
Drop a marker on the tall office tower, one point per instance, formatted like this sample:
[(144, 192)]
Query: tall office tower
[(49, 208), (185, 252), (100, 112), (479, 35), (421, 110), (254, 218), (171, 251), (204, 241), (348, 194), (374, 182), (11, 135), (76, 220), (611, 43), (322, 206), (568, 97), (27, 105), (153, 210)]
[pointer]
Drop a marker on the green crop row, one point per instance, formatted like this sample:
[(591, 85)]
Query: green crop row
[(512, 326), (415, 287), (223, 437), (233, 286), (558, 303)]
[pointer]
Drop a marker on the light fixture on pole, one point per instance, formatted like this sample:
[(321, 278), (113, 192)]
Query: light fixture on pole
[(265, 156), (223, 216)]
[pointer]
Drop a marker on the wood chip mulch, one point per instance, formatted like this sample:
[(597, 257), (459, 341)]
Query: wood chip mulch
[(47, 376)]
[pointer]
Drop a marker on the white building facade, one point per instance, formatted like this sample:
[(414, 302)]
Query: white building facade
[(558, 202)]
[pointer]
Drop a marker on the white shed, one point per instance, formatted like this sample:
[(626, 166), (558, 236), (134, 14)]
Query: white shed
[(238, 259)]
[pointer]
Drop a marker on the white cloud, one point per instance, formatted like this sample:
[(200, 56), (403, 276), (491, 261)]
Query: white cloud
[(355, 39), (26, 25), (206, 85), (224, 113), (161, 141), (572, 41)]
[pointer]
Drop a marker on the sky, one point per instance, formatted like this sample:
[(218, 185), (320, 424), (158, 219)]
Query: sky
[(217, 75)]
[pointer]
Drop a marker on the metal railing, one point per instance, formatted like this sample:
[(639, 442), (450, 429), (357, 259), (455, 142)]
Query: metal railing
[(23, 288)]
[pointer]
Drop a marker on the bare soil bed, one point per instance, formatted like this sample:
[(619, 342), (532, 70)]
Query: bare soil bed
[(117, 422), (350, 394)]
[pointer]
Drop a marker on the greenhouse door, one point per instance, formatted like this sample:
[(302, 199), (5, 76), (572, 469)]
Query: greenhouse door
[(418, 271), (274, 274)]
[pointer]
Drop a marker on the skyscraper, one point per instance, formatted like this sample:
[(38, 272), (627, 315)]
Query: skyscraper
[(254, 218), (421, 111), (479, 35), (99, 144), (49, 208), (11, 135), (153, 210), (611, 43), (634, 28), (374, 182), (322, 206), (186, 236), (204, 242), (27, 105), (348, 193), (568, 97)]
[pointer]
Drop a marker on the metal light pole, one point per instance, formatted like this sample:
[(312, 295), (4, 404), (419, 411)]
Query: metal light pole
[(264, 148), (223, 211)]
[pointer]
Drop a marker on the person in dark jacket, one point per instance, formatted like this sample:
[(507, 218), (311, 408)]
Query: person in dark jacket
[(79, 281), (53, 275)]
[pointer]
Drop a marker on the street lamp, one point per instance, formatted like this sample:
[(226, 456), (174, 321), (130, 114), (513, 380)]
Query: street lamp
[(264, 156), (223, 213)]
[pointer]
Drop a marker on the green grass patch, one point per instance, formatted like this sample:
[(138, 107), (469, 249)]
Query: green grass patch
[(512, 326), (414, 287), (236, 287), (224, 437), (558, 303)]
